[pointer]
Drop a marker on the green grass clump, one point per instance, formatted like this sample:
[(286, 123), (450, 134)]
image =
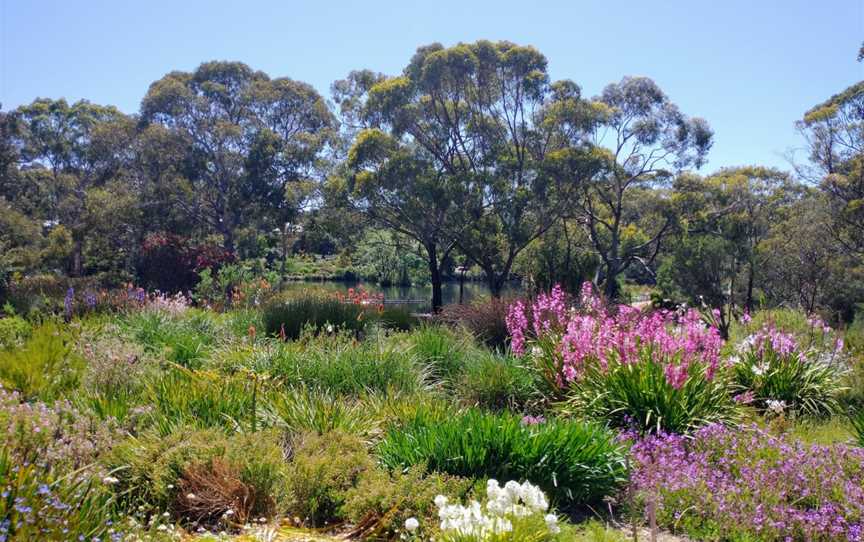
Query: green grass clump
[(496, 382), (186, 339), (441, 349), (44, 367), (807, 387), (289, 317), (180, 397), (301, 410), (574, 462), (340, 365), (639, 395)]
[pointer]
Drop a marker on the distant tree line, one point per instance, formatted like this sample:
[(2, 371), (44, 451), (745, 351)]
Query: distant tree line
[(471, 157)]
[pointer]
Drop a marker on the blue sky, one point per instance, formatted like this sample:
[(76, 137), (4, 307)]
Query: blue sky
[(751, 68)]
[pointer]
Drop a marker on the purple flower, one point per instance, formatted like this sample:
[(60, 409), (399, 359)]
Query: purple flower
[(68, 303)]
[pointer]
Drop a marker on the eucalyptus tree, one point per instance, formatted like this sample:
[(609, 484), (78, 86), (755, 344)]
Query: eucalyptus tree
[(647, 140), (70, 153), (834, 131), (396, 187), (254, 144), (717, 252), (472, 121)]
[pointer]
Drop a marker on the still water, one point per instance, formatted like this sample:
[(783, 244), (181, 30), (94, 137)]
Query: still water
[(415, 297)]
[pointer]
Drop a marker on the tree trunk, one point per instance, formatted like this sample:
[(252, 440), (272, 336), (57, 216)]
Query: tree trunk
[(748, 301), (496, 284), (610, 288), (78, 258), (435, 274)]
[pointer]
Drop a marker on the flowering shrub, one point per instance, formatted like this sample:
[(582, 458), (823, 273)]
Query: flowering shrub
[(568, 340), (513, 512), (36, 504), (656, 369), (775, 373), (55, 436), (749, 485)]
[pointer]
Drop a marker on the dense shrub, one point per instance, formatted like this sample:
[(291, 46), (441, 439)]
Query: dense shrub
[(382, 500), (115, 374), (170, 263), (724, 484), (774, 373), (13, 330), (45, 366), (484, 318), (159, 471), (322, 471), (234, 488), (576, 463), (287, 318), (496, 382), (55, 436)]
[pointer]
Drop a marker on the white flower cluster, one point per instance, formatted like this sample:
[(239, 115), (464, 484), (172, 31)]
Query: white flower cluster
[(776, 406), (514, 500)]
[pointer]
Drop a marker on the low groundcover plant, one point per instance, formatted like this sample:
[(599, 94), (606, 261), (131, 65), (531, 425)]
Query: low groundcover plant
[(725, 484)]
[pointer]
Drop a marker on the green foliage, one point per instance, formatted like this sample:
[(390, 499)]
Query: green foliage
[(289, 317), (575, 463), (639, 394), (184, 339), (496, 382), (340, 365), (443, 350), (45, 366), (856, 419), (807, 387), (301, 410), (323, 469), (180, 397), (13, 329)]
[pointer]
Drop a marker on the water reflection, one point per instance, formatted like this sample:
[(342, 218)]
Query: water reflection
[(415, 297)]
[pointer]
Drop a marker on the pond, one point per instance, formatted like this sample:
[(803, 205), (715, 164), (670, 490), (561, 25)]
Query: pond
[(417, 298)]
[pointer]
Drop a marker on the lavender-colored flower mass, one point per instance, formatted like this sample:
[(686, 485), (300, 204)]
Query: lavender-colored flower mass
[(753, 485)]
